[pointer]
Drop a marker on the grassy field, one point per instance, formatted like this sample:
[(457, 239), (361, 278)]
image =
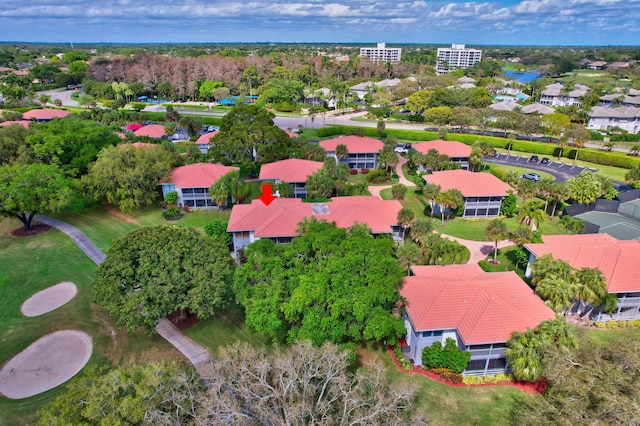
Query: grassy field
[(506, 261), (34, 263), (444, 405), (473, 229), (615, 173)]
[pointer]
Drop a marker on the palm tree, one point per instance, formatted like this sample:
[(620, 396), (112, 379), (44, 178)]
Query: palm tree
[(398, 191), (496, 230), (522, 235), (441, 200), (219, 192), (512, 177), (591, 286), (558, 293), (406, 217), (634, 150), (559, 192), (531, 213), (420, 230), (341, 151), (408, 254), (559, 332), (525, 355), (430, 191), (454, 199), (544, 188)]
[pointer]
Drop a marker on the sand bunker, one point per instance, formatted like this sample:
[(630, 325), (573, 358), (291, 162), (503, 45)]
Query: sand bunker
[(45, 364), (49, 299)]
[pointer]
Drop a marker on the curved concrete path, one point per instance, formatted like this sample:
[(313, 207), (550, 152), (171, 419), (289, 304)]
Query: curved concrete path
[(197, 354), (479, 250)]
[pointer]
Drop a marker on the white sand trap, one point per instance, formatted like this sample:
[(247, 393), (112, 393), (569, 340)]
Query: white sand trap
[(49, 299), (45, 364)]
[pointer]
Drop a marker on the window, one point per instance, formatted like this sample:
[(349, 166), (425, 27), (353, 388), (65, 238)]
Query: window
[(198, 190), (187, 191), (493, 212), (476, 364), (469, 212), (498, 363), (189, 203), (481, 212), (432, 333)]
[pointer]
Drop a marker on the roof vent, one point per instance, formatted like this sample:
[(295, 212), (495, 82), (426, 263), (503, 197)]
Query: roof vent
[(465, 300)]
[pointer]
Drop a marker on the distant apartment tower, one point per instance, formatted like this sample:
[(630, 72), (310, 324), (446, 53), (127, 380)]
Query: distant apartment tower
[(457, 56), (381, 53)]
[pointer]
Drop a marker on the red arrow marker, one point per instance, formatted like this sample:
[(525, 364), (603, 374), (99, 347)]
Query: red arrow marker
[(266, 196)]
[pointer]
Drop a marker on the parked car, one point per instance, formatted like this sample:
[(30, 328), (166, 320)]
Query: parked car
[(408, 146), (533, 159), (213, 128), (531, 176), (545, 160), (400, 149)]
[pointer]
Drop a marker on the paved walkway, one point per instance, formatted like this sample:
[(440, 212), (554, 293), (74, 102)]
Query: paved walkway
[(197, 354), (479, 250), (375, 190)]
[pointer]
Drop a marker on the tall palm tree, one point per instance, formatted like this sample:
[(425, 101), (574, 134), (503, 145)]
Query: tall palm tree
[(557, 293), (341, 151), (454, 199), (406, 218), (559, 192), (408, 254), (420, 230), (559, 332), (441, 200), (496, 230), (591, 286), (547, 265), (531, 213), (430, 191)]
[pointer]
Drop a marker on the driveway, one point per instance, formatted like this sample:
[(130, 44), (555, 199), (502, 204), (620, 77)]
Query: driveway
[(62, 94), (561, 171)]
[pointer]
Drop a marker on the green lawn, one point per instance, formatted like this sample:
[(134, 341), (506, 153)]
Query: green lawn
[(473, 229), (34, 263), (444, 405), (410, 201), (615, 173), (104, 224), (506, 261)]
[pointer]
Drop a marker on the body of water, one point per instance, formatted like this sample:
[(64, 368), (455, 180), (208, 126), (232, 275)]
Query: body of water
[(523, 77)]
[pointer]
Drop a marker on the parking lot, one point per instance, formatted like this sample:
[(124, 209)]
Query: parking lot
[(561, 171)]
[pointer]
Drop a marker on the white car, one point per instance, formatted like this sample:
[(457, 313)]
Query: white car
[(400, 149)]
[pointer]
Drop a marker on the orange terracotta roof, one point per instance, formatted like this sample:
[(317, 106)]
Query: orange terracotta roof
[(291, 170), (354, 144), (281, 217), (205, 138), (23, 123), (484, 307), (198, 175), (450, 148), (44, 114), (469, 183), (617, 259), (151, 130)]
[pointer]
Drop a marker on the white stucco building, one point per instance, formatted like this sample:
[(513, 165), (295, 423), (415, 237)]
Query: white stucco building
[(381, 53), (456, 56)]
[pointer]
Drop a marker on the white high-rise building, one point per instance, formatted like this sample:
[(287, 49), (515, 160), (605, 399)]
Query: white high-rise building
[(381, 53), (458, 56)]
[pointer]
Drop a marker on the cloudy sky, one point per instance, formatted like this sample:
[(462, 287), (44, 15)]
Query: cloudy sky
[(500, 22)]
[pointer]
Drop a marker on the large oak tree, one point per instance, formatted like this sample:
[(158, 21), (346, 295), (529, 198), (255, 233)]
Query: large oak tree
[(156, 271)]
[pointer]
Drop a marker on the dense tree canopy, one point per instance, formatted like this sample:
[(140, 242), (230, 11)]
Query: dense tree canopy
[(129, 176), (329, 285), (249, 137), (154, 272), (141, 394), (26, 190)]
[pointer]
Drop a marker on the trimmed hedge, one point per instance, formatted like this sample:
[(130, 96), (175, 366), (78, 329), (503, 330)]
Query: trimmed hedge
[(618, 324), (475, 380)]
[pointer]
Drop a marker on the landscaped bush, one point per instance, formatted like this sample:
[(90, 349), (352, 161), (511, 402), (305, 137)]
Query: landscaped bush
[(171, 197), (398, 353), (618, 324), (475, 380), (484, 265), (377, 176), (449, 357), (448, 375), (617, 159), (172, 213), (218, 229), (628, 137)]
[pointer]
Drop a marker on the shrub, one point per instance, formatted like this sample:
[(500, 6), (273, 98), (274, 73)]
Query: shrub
[(448, 375), (218, 229), (618, 324), (398, 353), (171, 197), (377, 176), (484, 265), (172, 213), (475, 380), (449, 357), (509, 204)]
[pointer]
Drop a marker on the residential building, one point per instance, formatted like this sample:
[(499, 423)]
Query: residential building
[(44, 114), (192, 183), (596, 65), (457, 56), (23, 123), (537, 108), (363, 152), (477, 309), (457, 152), (555, 95), (365, 87), (381, 53), (279, 220), (619, 99), (203, 142), (293, 171), (155, 131), (616, 259), (483, 192), (603, 118)]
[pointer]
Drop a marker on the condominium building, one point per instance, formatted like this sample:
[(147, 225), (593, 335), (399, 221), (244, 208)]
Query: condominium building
[(457, 56), (381, 53)]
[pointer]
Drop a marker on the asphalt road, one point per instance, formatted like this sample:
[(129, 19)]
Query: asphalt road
[(561, 171)]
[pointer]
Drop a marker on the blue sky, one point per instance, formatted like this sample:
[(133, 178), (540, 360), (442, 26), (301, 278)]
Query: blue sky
[(511, 22)]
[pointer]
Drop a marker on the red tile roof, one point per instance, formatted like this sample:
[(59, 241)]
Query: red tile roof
[(151, 130), (450, 148), (291, 170), (469, 183), (205, 138), (484, 307), (44, 114), (354, 144), (281, 217), (133, 127), (198, 175), (617, 259), (23, 123)]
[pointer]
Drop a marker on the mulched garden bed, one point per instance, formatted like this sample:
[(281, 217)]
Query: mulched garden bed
[(36, 229)]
